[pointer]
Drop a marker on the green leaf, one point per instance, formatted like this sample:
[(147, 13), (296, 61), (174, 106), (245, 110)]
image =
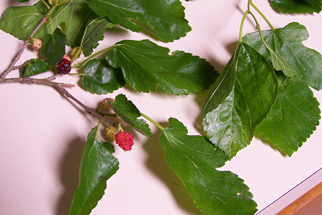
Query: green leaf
[(296, 6), (20, 1), (146, 65), (232, 123), (292, 119), (97, 166), (71, 16), (287, 42), (194, 159), (295, 113), (128, 112), (223, 85), (53, 47), (93, 33), (163, 18), (21, 21), (101, 78), (280, 64), (32, 67)]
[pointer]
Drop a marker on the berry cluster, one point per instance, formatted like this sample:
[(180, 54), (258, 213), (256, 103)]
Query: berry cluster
[(124, 140), (64, 66)]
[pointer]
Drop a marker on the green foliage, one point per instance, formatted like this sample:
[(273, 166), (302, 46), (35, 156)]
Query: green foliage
[(231, 124), (53, 47), (21, 21), (287, 42), (162, 18), (295, 6), (33, 66), (295, 113), (93, 33), (98, 164), (265, 87), (293, 118), (146, 65), (128, 112), (194, 159), (101, 78)]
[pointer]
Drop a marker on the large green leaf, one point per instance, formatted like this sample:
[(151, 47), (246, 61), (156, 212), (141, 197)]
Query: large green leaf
[(71, 16), (287, 42), (22, 20), (128, 112), (97, 166), (101, 78), (53, 47), (146, 65), (295, 113), (232, 123), (194, 159), (162, 18), (294, 116), (296, 6)]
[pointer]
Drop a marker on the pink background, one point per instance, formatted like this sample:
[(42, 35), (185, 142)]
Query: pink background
[(42, 134)]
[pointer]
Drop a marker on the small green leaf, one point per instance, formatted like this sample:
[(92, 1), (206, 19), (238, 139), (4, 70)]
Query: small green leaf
[(93, 33), (287, 42), (231, 125), (97, 166), (20, 1), (163, 18), (101, 78), (194, 159), (32, 67), (146, 65), (292, 119), (296, 6), (128, 112), (53, 47)]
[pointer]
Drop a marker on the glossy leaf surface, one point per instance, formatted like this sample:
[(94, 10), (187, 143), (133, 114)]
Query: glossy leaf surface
[(162, 18), (97, 166), (295, 6), (146, 65), (231, 125), (128, 112), (101, 78), (194, 159)]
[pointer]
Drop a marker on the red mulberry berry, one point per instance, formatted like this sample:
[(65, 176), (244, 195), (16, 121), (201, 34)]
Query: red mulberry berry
[(124, 140), (64, 66)]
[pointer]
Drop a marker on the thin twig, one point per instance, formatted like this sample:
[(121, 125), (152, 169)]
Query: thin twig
[(63, 91), (27, 80)]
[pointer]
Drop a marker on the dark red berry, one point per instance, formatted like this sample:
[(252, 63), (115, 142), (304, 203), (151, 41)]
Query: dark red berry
[(64, 66)]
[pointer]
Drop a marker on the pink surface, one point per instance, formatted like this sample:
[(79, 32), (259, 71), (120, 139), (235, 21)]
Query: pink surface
[(42, 134)]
